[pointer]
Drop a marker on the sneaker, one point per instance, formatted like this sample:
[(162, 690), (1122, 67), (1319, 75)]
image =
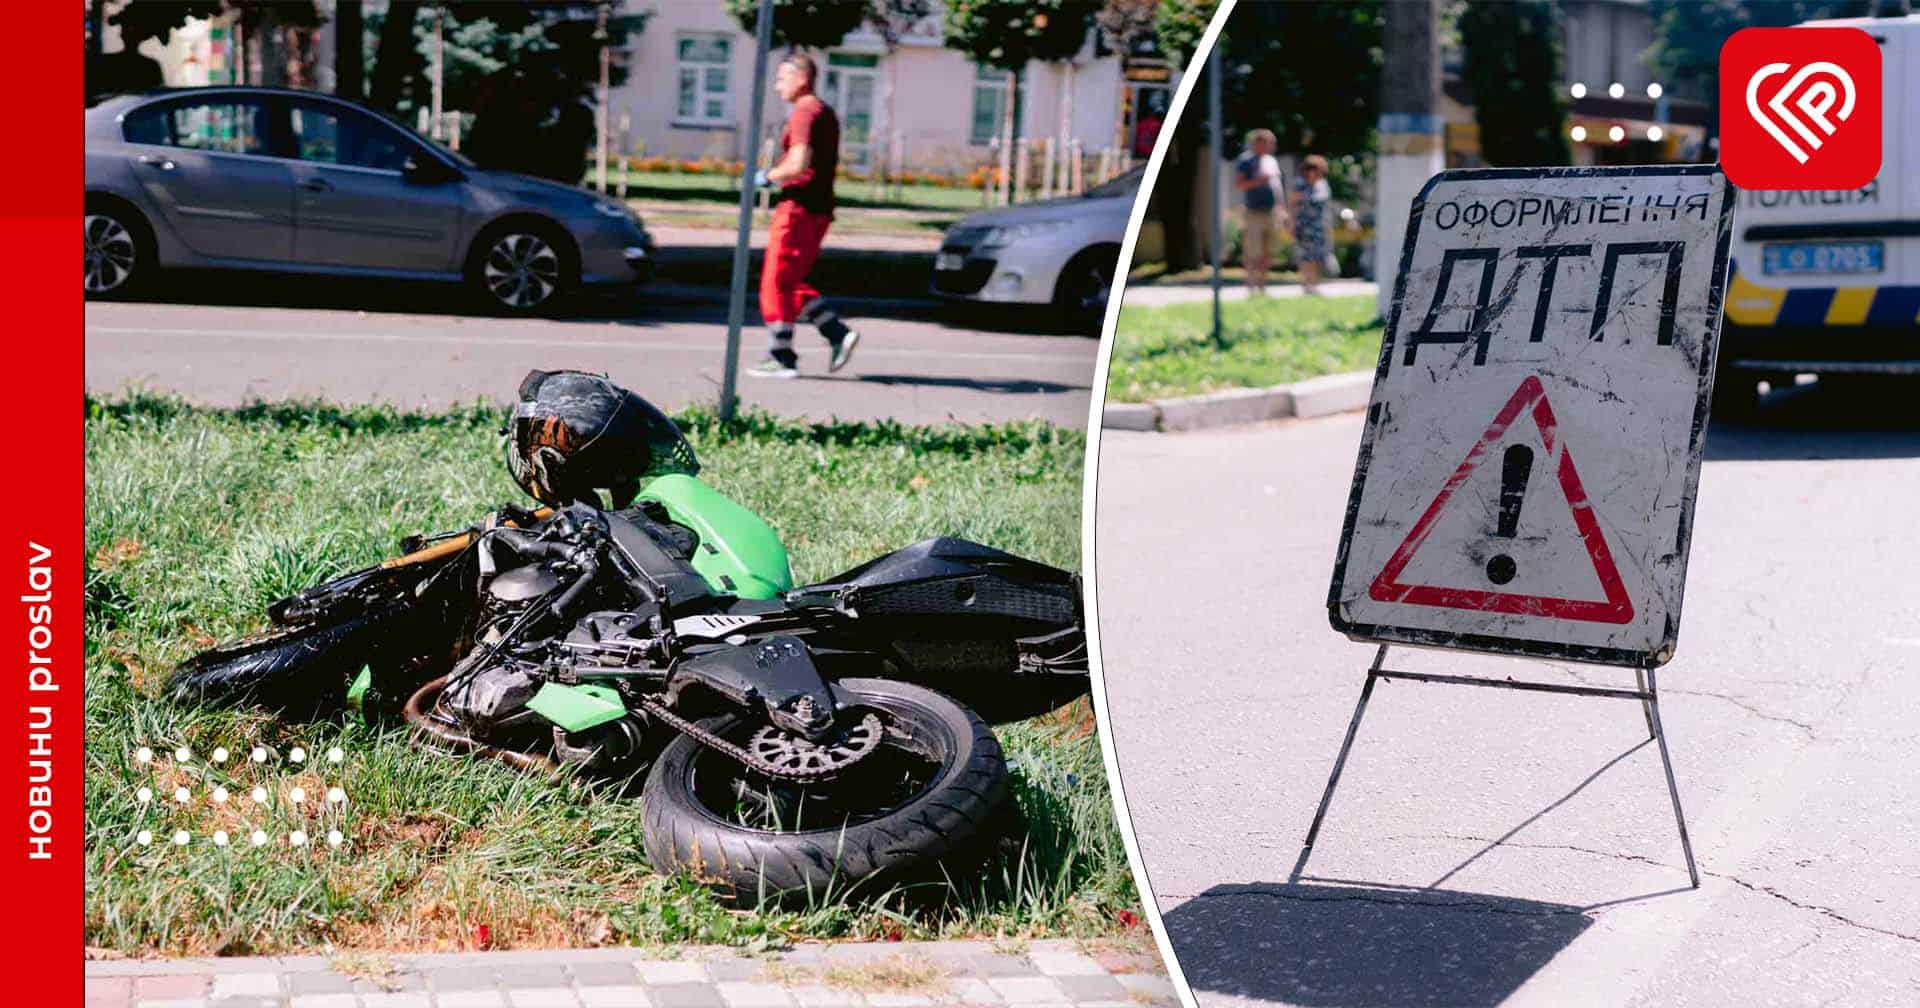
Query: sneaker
[(771, 368), (843, 350)]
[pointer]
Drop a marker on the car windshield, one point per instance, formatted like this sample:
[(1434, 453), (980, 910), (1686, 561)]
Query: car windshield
[(1122, 185)]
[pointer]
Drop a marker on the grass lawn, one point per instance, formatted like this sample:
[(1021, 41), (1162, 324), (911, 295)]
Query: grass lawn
[(1162, 352), (197, 518)]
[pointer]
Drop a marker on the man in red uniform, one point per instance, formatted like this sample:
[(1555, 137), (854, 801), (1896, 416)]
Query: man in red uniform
[(809, 155)]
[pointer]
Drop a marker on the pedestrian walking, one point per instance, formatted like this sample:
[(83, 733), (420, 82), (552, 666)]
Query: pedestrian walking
[(1257, 176), (1311, 248), (803, 210)]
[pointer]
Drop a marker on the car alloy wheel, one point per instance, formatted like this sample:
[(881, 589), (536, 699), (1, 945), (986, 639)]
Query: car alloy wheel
[(521, 270), (111, 254)]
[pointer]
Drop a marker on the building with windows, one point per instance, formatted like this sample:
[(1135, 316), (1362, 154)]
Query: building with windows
[(916, 106)]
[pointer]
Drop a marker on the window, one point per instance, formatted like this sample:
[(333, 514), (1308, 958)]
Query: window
[(337, 136), (231, 126), (704, 67), (990, 89)]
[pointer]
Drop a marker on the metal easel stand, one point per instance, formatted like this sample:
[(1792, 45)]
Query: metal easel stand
[(1646, 691)]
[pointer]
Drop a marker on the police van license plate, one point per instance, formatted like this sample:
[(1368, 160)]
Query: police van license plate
[(946, 261), (1789, 258)]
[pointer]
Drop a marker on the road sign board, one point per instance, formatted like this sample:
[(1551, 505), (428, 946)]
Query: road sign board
[(1526, 478)]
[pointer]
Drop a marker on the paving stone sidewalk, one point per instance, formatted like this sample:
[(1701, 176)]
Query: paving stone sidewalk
[(880, 975)]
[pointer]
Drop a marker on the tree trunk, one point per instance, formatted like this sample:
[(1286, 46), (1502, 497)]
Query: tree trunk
[(96, 27), (1066, 77), (1410, 150), (394, 60), (349, 50), (1179, 181), (1018, 106), (270, 49)]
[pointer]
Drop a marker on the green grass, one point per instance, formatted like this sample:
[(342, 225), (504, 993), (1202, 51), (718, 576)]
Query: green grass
[(197, 518), (1162, 352)]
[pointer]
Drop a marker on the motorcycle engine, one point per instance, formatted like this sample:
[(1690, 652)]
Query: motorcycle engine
[(491, 698)]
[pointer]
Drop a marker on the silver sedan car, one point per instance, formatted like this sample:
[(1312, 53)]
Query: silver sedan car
[(295, 181)]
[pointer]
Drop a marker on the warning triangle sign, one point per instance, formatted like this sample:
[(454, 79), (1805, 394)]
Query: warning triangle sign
[(1529, 400)]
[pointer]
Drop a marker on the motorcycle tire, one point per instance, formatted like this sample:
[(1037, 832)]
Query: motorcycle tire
[(966, 786), (354, 594), (303, 671)]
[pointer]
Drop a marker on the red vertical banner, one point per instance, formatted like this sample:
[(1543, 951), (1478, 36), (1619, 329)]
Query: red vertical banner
[(41, 186)]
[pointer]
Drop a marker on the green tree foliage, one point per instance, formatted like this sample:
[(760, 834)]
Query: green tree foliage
[(1009, 33), (1310, 72), (1687, 34), (1512, 67), (1178, 25), (813, 24), (528, 73)]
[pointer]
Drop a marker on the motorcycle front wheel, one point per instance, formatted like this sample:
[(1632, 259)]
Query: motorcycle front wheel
[(921, 796)]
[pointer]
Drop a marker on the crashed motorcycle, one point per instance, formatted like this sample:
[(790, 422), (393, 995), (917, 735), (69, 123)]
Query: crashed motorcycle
[(795, 740)]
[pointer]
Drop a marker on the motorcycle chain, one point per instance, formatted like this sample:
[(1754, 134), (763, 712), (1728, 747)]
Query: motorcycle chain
[(738, 754)]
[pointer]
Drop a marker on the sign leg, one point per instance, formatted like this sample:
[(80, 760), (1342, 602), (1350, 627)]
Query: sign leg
[(1646, 705), (1666, 761), (1340, 761)]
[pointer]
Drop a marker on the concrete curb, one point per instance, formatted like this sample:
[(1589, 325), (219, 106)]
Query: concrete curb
[(1052, 973), (1311, 398)]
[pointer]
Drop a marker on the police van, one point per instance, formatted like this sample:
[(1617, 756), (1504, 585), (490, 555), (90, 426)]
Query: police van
[(1828, 283)]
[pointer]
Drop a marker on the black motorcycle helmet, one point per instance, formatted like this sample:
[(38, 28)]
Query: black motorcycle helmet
[(574, 433)]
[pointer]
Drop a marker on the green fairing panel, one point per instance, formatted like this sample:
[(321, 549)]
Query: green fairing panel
[(577, 708), (739, 554)]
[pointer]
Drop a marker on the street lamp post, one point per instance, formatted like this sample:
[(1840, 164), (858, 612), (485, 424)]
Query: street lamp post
[(743, 240)]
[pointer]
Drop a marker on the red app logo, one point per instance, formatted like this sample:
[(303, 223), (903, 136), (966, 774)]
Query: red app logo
[(1800, 108)]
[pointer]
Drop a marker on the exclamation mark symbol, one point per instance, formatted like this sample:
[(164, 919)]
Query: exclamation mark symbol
[(1514, 470)]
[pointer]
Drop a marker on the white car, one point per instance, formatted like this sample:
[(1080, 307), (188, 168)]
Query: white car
[(1060, 252), (1829, 282)]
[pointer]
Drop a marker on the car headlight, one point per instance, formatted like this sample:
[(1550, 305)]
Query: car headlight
[(1007, 234), (615, 210)]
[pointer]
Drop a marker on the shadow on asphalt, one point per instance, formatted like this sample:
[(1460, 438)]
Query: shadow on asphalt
[(1363, 945), (1004, 386), (1854, 418)]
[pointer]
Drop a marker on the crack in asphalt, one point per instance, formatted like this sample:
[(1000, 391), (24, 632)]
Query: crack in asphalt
[(1746, 705), (1750, 708), (1754, 887)]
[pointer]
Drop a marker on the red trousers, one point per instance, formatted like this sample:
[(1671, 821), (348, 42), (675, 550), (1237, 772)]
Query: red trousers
[(793, 243)]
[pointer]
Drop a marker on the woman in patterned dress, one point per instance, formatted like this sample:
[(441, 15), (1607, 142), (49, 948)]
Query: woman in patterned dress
[(1309, 200)]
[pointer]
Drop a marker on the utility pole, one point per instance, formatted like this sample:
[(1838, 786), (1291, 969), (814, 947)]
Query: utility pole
[(743, 241), (1213, 183), (1410, 130), (606, 63)]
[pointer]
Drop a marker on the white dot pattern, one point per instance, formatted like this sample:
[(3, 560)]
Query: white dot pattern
[(218, 793)]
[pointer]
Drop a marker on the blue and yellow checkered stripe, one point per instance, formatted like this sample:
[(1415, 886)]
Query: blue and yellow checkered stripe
[(1750, 304)]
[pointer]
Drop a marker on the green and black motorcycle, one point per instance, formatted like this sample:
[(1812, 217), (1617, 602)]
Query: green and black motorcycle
[(810, 739)]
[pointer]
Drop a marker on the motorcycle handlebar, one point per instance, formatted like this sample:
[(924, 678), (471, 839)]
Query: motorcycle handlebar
[(450, 546)]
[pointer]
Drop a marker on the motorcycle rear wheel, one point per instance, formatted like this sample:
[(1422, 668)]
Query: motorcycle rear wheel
[(936, 779)]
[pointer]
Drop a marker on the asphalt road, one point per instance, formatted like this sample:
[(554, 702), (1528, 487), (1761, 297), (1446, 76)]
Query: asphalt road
[(1491, 847), (224, 341)]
